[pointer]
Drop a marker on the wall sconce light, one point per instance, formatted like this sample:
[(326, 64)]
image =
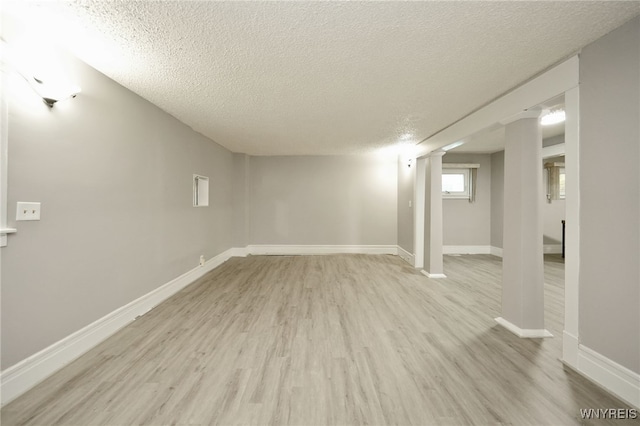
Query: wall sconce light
[(51, 93), (32, 65)]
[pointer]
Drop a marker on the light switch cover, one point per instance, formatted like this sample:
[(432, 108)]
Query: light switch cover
[(28, 211)]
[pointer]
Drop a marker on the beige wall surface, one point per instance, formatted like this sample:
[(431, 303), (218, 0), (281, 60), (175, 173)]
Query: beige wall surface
[(465, 223), (609, 306), (406, 178), (114, 175), (553, 214), (497, 198), (323, 200)]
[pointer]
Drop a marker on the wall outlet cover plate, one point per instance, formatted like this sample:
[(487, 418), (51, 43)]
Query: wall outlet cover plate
[(28, 211)]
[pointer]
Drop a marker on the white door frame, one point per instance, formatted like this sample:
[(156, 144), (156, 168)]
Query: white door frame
[(418, 212)]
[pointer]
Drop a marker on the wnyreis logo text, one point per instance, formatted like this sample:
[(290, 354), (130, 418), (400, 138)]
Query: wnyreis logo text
[(609, 413)]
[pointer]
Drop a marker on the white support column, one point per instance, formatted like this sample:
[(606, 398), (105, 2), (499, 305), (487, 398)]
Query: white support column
[(522, 256), (572, 237), (433, 265), (418, 212), (4, 163)]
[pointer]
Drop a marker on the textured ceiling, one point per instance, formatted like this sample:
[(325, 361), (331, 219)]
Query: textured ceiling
[(273, 78)]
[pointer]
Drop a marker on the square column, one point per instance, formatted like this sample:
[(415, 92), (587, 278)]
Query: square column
[(433, 265), (522, 253)]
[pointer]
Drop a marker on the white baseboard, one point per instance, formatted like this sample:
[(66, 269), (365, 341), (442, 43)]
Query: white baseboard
[(283, 250), (552, 248), (21, 377), (570, 349), (525, 333), (619, 380), (429, 275), (547, 249), (406, 256), (496, 251), (466, 249), (238, 252)]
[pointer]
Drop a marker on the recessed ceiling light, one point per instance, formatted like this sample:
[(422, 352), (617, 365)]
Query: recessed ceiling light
[(553, 117)]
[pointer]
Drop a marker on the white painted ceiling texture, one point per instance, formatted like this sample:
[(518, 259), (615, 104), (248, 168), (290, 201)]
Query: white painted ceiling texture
[(293, 78)]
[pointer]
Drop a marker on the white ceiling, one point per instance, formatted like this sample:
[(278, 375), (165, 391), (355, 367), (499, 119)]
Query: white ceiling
[(287, 78)]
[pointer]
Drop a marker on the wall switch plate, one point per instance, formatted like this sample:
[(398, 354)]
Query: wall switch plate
[(28, 211)]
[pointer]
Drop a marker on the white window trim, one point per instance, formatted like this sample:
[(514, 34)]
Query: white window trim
[(458, 168), (464, 195)]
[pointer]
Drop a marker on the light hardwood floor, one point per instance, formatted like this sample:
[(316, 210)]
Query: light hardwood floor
[(315, 340)]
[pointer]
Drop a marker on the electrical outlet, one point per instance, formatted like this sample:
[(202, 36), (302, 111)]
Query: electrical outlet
[(202, 260), (28, 211)]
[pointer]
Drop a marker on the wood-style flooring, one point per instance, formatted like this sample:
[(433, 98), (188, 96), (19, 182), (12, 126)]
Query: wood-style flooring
[(324, 340)]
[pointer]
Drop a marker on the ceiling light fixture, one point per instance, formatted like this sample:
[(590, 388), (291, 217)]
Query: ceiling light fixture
[(452, 146), (553, 117)]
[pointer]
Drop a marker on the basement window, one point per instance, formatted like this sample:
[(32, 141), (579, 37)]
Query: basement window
[(555, 181), (455, 183), (458, 181)]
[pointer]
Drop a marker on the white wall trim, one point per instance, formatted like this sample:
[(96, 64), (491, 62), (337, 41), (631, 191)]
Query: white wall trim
[(612, 376), (21, 377), (406, 256), (466, 250), (320, 249), (496, 251), (553, 151), (4, 166), (569, 349), (427, 274), (551, 83), (552, 248), (238, 252), (525, 333), (572, 215)]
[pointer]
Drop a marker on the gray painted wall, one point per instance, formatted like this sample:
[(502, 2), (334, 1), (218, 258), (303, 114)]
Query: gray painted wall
[(333, 200), (554, 140), (497, 198), (241, 200), (553, 213), (406, 178), (465, 223), (609, 306), (114, 175), (552, 217)]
